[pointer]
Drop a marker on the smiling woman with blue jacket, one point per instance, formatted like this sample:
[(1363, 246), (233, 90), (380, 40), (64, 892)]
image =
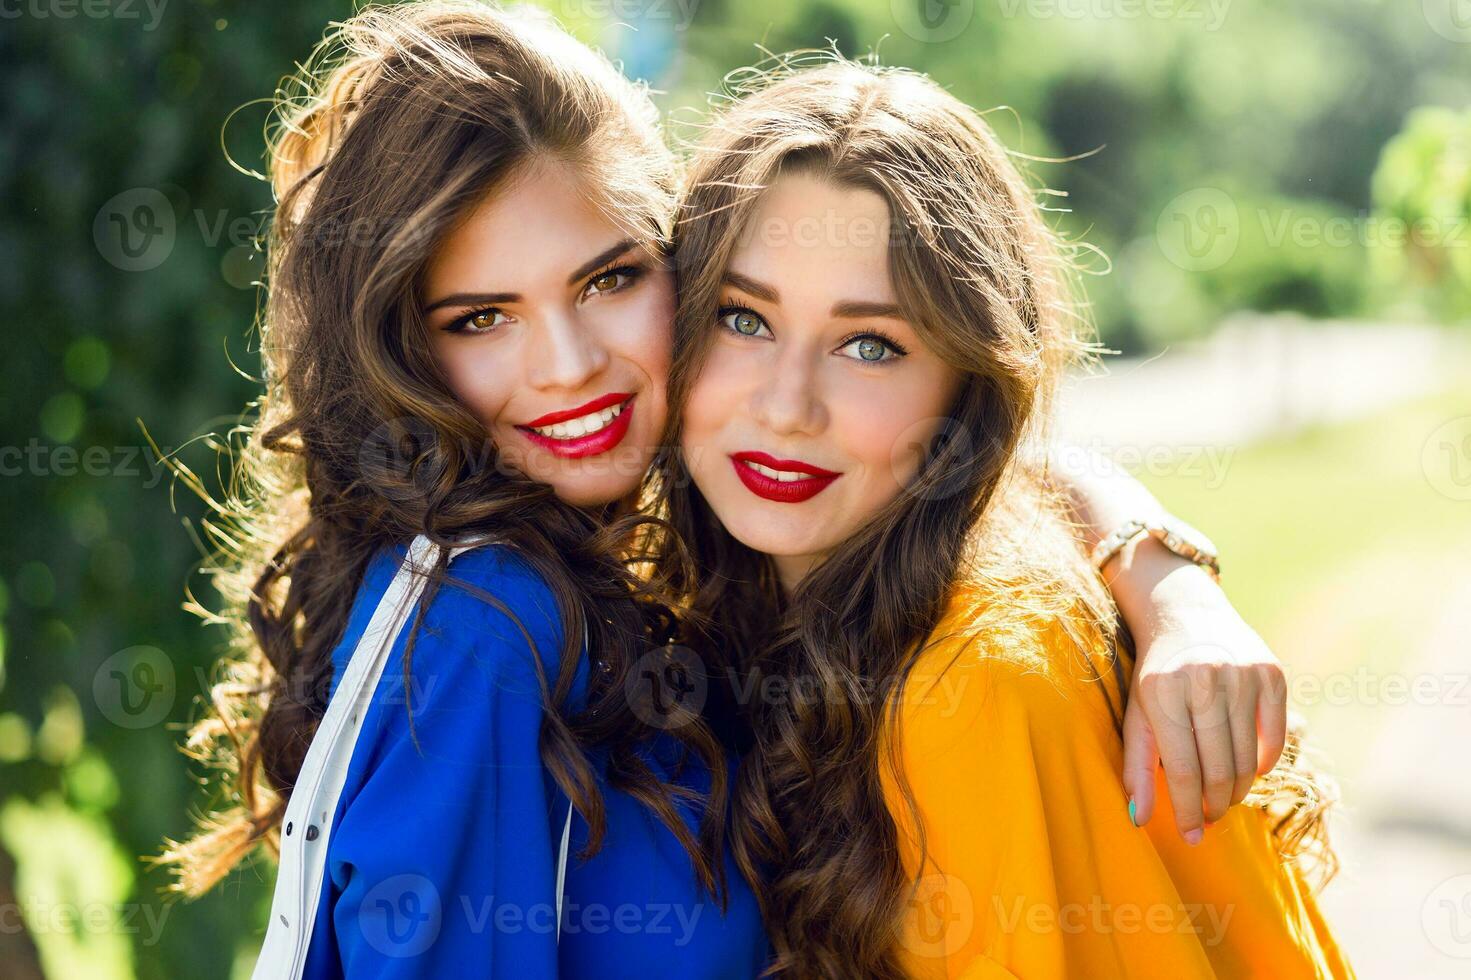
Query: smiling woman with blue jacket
[(419, 879), (432, 721)]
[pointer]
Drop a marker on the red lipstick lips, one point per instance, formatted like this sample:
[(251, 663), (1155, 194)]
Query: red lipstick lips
[(815, 479), (587, 444)]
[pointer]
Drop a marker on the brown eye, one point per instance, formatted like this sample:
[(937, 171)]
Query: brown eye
[(480, 322), (612, 281)]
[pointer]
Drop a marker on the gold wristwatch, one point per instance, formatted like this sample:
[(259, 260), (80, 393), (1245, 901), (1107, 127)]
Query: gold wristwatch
[(1179, 537)]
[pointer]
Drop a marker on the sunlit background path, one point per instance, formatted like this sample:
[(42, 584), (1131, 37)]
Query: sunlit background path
[(1332, 465)]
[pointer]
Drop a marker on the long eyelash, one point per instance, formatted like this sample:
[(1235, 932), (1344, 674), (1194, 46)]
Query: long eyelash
[(878, 335), (724, 310), (633, 272), (459, 324)]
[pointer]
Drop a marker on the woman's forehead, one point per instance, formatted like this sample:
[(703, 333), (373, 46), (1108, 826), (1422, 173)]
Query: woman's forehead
[(818, 235)]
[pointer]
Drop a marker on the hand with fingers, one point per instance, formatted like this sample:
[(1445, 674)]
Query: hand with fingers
[(1208, 702)]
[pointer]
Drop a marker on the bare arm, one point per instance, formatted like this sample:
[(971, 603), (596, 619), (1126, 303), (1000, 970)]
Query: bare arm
[(1208, 697)]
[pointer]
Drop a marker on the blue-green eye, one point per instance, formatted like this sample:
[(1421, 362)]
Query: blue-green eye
[(739, 320), (872, 349)]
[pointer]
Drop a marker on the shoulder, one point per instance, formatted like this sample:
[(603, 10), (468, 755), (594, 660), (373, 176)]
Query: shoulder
[(491, 586), (995, 658), (492, 625)]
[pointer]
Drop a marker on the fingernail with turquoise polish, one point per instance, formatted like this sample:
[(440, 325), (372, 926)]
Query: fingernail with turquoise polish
[(1133, 812)]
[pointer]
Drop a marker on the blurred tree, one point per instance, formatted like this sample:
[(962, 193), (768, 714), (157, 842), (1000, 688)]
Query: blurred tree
[(122, 295), (1422, 200)]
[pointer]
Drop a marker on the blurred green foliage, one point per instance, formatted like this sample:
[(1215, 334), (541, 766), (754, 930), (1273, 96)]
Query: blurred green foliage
[(1222, 147), (1422, 195)]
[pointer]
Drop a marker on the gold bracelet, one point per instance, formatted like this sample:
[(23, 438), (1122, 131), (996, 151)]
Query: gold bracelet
[(1178, 537)]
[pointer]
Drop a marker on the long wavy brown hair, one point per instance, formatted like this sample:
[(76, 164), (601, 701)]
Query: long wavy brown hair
[(990, 287), (406, 117)]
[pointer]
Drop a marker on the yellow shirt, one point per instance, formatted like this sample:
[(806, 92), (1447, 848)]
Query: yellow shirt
[(1033, 867)]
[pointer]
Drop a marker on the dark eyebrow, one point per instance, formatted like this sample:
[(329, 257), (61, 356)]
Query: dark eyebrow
[(493, 299), (601, 259), (748, 285), (472, 299), (848, 309), (857, 309)]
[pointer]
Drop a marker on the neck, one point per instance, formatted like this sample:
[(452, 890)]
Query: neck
[(792, 569)]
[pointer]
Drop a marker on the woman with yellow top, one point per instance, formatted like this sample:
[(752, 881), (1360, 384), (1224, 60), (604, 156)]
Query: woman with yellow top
[(873, 320)]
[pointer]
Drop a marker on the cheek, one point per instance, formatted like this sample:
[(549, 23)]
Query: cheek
[(890, 427), (640, 329), (639, 332), (478, 376), (702, 418), (718, 393)]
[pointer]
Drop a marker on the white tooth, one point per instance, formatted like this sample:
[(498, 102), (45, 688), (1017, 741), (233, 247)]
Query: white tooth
[(787, 476), (593, 423), (575, 427), (559, 430), (608, 415), (617, 410)]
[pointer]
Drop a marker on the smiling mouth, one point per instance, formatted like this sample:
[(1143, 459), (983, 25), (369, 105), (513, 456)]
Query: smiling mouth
[(787, 481), (587, 430)]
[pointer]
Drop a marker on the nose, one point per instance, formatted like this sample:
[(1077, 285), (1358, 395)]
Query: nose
[(567, 353), (787, 401)]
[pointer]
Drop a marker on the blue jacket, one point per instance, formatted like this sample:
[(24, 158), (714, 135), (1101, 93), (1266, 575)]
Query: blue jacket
[(442, 858)]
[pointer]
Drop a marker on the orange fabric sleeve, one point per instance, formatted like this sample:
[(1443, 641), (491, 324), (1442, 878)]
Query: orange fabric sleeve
[(1033, 868)]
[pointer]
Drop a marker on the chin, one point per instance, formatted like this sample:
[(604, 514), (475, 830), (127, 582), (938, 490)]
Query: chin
[(592, 482), (594, 492), (781, 538)]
